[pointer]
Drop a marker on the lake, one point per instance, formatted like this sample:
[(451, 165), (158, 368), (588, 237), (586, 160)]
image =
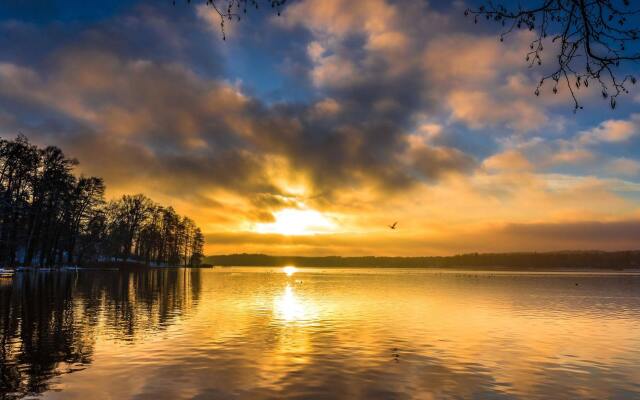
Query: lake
[(263, 333)]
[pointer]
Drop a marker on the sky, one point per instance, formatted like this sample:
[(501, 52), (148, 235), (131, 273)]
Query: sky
[(310, 132)]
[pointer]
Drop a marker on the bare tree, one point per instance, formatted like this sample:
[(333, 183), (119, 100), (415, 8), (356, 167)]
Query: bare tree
[(597, 41)]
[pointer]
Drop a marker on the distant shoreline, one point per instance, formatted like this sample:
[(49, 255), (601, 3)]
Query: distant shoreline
[(531, 261), (551, 270), (102, 266), (568, 261), (463, 270)]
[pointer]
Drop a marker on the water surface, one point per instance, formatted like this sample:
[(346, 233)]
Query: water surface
[(260, 333)]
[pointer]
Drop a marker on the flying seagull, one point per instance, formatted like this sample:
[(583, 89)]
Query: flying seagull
[(394, 225)]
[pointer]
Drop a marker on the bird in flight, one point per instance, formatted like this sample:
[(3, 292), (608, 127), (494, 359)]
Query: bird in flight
[(394, 225)]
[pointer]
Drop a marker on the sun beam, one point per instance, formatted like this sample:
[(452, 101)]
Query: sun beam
[(291, 221)]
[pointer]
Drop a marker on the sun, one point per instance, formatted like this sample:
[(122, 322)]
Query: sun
[(289, 270), (291, 221)]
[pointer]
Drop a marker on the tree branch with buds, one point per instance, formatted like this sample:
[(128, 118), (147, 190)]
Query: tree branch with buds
[(597, 41), (233, 10)]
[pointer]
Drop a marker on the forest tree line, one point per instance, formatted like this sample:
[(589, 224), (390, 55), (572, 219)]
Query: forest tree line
[(530, 260), (50, 217)]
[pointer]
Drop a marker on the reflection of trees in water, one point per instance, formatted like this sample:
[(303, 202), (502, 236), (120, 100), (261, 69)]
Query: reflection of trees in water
[(133, 304), (49, 322)]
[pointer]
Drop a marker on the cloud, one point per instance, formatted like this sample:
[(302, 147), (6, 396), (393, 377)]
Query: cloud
[(571, 156), (591, 149), (611, 131), (482, 82), (618, 235), (624, 167), (510, 160), (432, 163), (479, 109)]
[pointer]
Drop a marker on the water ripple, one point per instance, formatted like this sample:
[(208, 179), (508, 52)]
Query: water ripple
[(243, 333)]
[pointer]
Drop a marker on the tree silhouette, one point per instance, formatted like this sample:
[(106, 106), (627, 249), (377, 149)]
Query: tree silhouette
[(49, 217), (596, 41)]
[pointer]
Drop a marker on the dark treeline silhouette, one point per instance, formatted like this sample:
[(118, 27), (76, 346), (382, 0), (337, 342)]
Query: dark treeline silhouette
[(576, 259), (49, 217), (49, 323)]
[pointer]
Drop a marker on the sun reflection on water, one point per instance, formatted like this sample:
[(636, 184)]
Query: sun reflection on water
[(289, 307), (289, 270)]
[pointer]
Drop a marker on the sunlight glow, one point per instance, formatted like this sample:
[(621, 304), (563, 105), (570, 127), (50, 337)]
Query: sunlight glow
[(290, 306), (291, 221), (289, 270)]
